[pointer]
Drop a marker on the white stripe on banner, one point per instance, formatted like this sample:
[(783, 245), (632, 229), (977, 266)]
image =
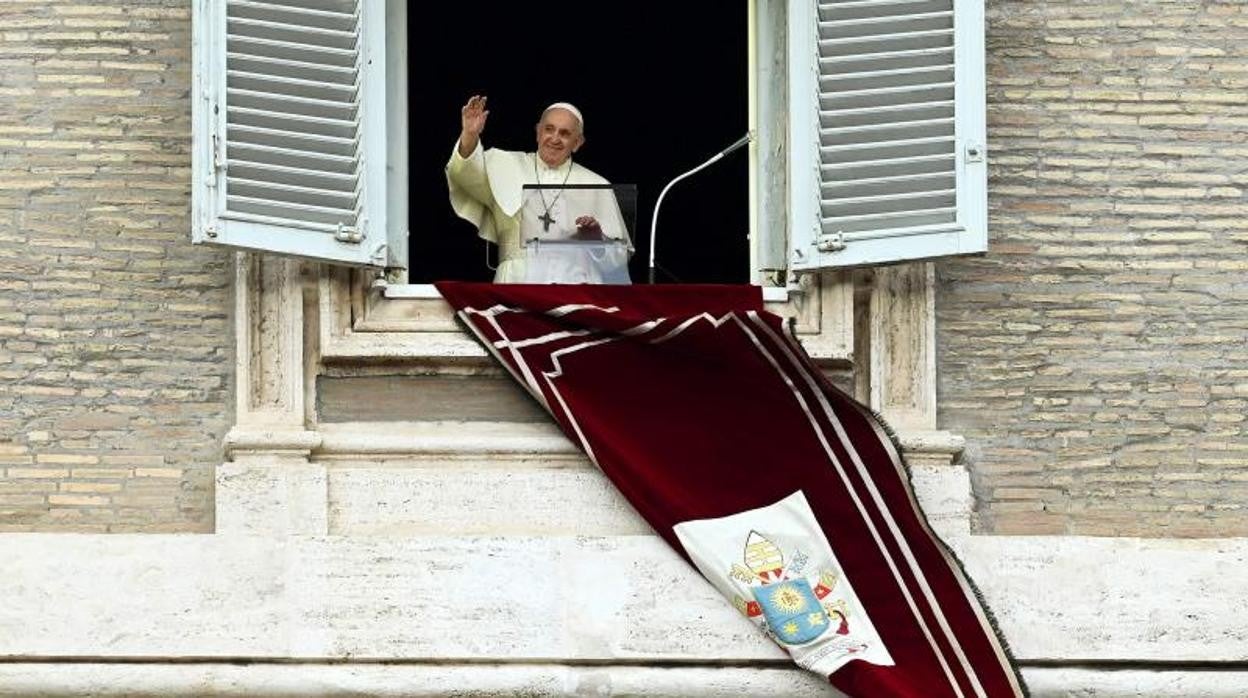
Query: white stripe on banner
[(550, 377), (853, 493), (643, 328), (522, 365), (950, 560), (528, 379), (716, 323), (573, 307), (552, 337), (789, 344), (878, 499)]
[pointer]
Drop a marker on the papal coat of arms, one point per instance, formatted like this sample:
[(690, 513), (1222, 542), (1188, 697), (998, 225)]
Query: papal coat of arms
[(792, 606), (775, 564)]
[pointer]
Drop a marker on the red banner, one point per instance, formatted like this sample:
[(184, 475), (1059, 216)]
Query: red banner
[(784, 492)]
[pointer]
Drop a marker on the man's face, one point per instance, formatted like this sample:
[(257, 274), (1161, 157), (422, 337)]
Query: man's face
[(558, 136)]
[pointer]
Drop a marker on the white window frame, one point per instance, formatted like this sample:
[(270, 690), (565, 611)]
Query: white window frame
[(367, 316), (783, 39), (768, 163)]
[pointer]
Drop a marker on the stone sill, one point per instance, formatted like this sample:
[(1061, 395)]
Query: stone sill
[(771, 294), (46, 680)]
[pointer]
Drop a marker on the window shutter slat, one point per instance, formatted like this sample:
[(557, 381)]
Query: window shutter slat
[(908, 183), (324, 56), (285, 105), (889, 131), (309, 38), (898, 167), (313, 145), (273, 12), (311, 164), (890, 224), (295, 112), (277, 211), (293, 176), (853, 9), (295, 194), (897, 84), (296, 69), (264, 118), (341, 7), (294, 87)]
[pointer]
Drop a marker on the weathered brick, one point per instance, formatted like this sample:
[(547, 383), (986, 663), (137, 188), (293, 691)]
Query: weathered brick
[(101, 473), (78, 500), (95, 161), (158, 472), (40, 473), (90, 487), (1140, 328), (66, 459)]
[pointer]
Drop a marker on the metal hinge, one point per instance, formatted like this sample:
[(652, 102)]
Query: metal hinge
[(830, 243), (218, 162), (974, 152), (345, 234)]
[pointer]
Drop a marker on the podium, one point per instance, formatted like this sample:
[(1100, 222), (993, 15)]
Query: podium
[(577, 233), (576, 262)]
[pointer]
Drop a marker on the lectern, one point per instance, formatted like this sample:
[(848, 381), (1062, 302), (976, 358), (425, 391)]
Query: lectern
[(577, 233)]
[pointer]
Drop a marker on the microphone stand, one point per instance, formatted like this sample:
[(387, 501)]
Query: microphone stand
[(654, 220)]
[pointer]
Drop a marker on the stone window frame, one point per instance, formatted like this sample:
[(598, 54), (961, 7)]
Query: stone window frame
[(875, 323)]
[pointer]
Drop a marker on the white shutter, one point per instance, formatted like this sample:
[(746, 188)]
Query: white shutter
[(887, 130), (290, 128)]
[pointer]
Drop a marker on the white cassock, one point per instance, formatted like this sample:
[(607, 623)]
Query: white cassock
[(487, 190)]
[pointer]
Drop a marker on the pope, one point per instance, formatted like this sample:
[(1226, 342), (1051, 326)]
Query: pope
[(487, 189)]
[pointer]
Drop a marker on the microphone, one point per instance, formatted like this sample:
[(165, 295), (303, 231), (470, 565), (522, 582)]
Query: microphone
[(741, 143), (654, 221)]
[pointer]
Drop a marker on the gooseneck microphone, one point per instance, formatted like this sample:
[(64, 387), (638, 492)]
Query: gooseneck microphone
[(654, 221)]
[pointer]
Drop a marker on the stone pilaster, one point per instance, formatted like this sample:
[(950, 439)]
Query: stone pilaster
[(898, 373), (268, 484)]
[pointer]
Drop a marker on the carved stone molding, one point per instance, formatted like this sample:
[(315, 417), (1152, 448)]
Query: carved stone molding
[(269, 324), (902, 363), (362, 322), (897, 348), (270, 487)]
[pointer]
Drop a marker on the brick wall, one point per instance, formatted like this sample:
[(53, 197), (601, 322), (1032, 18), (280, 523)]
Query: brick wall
[(114, 336), (1094, 359), (1097, 357)]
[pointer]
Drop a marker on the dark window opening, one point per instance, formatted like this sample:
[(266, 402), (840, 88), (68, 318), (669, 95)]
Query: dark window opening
[(663, 86)]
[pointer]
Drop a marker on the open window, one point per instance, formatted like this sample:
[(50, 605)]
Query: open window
[(869, 115), (662, 85)]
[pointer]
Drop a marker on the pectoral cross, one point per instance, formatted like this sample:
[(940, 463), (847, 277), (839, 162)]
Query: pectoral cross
[(546, 220)]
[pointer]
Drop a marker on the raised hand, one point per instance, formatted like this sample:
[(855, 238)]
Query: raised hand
[(473, 115), (472, 123)]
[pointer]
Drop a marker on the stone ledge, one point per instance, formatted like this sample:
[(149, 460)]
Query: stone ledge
[(424, 438), (1058, 599), (420, 680), (259, 680), (932, 443), (283, 440)]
